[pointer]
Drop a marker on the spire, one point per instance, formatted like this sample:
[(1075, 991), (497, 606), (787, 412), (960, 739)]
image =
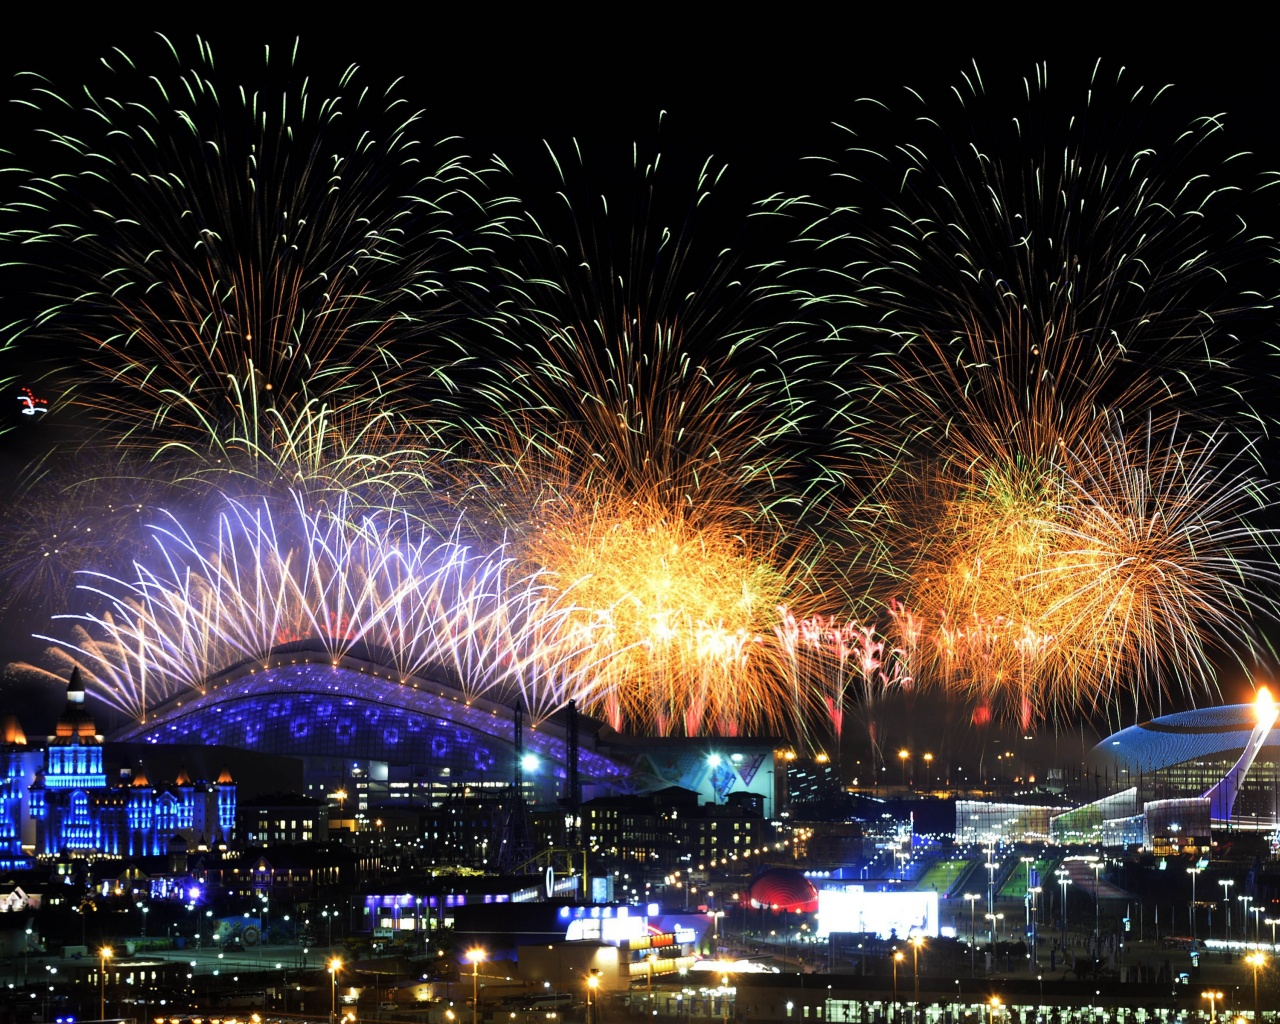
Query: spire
[(76, 724), (75, 687)]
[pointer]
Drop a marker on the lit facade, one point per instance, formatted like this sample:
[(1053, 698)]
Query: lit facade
[(76, 811), (1230, 756)]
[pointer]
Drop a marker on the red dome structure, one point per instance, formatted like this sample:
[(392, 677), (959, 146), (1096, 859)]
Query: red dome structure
[(783, 890)]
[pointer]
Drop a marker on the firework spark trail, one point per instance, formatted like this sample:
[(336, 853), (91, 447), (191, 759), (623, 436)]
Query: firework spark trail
[(369, 583), (680, 613), (829, 657)]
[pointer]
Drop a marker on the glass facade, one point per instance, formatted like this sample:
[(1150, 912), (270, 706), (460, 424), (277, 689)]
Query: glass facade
[(978, 821), (1183, 756)]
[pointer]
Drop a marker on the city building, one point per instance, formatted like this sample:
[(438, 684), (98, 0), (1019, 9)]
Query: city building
[(77, 810)]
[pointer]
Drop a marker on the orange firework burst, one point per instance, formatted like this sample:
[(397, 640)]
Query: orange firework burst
[(645, 447), (682, 613), (1118, 569)]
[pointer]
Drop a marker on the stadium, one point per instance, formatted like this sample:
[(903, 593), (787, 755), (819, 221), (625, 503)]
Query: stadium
[(1230, 755), (422, 738)]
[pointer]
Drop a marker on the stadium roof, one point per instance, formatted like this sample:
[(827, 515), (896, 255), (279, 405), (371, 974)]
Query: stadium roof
[(310, 707), (1172, 739)]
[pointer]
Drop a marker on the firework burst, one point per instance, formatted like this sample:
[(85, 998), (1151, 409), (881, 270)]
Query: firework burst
[(1035, 288), (377, 584), (223, 262), (647, 450)]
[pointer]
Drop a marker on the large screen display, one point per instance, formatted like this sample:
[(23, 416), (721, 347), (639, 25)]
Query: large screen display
[(887, 914)]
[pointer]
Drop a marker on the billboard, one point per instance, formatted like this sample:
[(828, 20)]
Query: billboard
[(887, 914)]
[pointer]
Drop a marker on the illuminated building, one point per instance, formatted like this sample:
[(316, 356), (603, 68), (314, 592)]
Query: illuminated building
[(19, 764), (1175, 778), (77, 811)]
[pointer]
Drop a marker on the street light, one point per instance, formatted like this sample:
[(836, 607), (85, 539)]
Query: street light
[(335, 965), (1226, 884), (972, 898), (995, 920), (476, 955), (1255, 960), (1213, 998), (928, 771), (917, 940), (593, 996), (1034, 893), (898, 957), (104, 954), (1193, 872), (994, 1005), (1063, 881), (1246, 900), (903, 756)]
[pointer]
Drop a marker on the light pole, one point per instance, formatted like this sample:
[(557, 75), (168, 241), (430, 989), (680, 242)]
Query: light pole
[(1257, 923), (903, 756), (1213, 998), (1226, 884), (335, 965), (1034, 893), (991, 878), (1026, 899), (1273, 921), (104, 954), (1097, 905), (1063, 881), (995, 920), (993, 1005), (1193, 872), (928, 771), (917, 941), (898, 957), (593, 997), (1246, 900), (476, 955), (972, 899), (1255, 960)]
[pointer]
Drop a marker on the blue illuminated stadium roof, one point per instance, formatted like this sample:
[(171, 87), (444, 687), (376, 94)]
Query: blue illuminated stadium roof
[(1188, 735), (352, 710)]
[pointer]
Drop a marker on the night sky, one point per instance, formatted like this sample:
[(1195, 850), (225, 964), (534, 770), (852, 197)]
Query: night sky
[(760, 98)]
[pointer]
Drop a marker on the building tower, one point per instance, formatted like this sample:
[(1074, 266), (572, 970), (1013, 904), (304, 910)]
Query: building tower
[(14, 783), (517, 836)]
